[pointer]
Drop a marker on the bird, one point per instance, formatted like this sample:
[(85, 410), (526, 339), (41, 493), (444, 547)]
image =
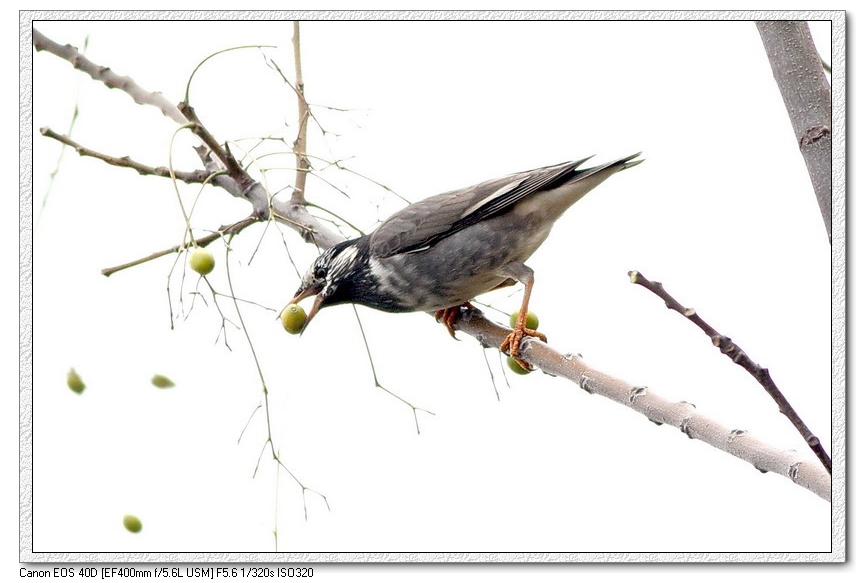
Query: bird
[(439, 254)]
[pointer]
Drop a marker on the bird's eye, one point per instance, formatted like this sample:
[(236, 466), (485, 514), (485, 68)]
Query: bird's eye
[(320, 272)]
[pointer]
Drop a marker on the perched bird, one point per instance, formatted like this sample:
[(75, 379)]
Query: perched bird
[(438, 254)]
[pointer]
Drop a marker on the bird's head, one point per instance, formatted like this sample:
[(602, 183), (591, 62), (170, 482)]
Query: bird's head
[(333, 277)]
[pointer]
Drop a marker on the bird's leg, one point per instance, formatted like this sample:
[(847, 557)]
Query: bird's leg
[(511, 345), (449, 315)]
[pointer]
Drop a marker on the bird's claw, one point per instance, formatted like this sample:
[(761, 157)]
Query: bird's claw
[(449, 315), (511, 345)]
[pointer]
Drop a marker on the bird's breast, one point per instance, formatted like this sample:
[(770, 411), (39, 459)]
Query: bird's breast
[(458, 268)]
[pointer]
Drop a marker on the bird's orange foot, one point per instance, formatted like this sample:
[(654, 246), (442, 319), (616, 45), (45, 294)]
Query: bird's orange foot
[(511, 345), (449, 315)]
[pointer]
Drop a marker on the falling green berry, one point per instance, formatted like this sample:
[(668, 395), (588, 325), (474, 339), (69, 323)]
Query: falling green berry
[(532, 321), (132, 523), (161, 381), (201, 261), (516, 367), (74, 382), (293, 318)]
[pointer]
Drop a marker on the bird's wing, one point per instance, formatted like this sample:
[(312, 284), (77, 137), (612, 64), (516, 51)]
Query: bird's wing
[(424, 223)]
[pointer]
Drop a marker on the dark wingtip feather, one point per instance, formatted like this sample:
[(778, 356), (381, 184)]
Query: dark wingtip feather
[(629, 162)]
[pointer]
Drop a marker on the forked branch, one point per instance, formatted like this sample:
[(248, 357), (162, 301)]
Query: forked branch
[(681, 415), (737, 355)]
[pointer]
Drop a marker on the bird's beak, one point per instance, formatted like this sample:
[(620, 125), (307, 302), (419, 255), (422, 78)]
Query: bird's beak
[(316, 304)]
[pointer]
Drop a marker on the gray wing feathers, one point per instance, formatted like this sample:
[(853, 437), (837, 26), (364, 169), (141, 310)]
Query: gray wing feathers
[(417, 226), (424, 223)]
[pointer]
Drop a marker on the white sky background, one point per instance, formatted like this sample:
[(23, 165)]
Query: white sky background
[(722, 212)]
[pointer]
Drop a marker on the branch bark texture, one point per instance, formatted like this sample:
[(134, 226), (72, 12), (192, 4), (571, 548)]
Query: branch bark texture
[(737, 355), (661, 411), (799, 74)]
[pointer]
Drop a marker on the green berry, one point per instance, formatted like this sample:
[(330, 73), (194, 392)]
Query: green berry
[(132, 523), (201, 261), (161, 381), (532, 321), (516, 367), (293, 318), (74, 382)]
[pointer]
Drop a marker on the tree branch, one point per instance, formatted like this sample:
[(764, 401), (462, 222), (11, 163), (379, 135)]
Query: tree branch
[(737, 355), (298, 196), (654, 407), (799, 74), (194, 177), (294, 215), (250, 189), (106, 76), (200, 242)]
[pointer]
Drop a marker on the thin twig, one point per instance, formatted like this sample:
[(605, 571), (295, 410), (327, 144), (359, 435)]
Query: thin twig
[(193, 177), (737, 355), (239, 185), (204, 241), (53, 174), (297, 196), (414, 409), (265, 392), (250, 188)]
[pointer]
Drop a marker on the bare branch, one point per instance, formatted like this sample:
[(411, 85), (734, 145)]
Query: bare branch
[(106, 76), (414, 409), (200, 242), (656, 408), (291, 214), (250, 189), (194, 177), (799, 74), (738, 356), (298, 196)]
